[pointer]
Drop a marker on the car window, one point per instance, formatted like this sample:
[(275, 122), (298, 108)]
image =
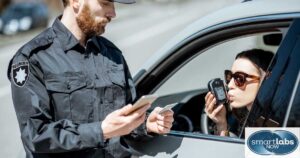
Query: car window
[(210, 64), (183, 76)]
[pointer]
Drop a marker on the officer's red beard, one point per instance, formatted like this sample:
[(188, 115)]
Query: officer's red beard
[(88, 24)]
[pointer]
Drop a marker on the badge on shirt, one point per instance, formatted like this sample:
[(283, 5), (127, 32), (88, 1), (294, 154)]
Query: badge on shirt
[(20, 73)]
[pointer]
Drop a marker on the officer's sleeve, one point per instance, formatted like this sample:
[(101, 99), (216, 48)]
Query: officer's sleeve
[(39, 130)]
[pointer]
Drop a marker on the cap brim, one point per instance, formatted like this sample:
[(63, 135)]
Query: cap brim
[(125, 1)]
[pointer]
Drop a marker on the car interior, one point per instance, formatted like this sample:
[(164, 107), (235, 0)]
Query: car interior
[(189, 113)]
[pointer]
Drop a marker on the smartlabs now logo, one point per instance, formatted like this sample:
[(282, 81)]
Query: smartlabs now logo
[(272, 142)]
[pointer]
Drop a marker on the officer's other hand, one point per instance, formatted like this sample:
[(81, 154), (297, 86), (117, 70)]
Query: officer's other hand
[(160, 123), (118, 123)]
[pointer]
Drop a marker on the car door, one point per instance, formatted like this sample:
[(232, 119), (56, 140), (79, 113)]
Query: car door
[(182, 78)]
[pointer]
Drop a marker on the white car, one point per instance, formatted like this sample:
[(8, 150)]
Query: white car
[(179, 73)]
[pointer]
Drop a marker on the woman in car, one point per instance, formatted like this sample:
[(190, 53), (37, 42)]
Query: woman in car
[(243, 81)]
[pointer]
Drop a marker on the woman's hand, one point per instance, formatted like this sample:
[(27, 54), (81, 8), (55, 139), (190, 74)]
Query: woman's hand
[(217, 113)]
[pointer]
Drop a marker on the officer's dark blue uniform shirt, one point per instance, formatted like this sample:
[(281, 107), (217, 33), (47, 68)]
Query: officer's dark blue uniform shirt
[(62, 91)]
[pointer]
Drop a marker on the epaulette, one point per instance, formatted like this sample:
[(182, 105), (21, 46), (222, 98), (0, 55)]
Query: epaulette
[(40, 41)]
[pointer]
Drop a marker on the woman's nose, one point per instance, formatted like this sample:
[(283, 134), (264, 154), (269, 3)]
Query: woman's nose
[(231, 83)]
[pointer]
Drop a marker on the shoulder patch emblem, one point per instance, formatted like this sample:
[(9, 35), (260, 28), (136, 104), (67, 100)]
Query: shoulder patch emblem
[(20, 72)]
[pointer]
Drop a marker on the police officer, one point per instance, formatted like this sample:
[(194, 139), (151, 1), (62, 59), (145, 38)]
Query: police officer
[(72, 89)]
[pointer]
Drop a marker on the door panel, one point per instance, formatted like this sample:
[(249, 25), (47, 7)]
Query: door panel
[(189, 147)]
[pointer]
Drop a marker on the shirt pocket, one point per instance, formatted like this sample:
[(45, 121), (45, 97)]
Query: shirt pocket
[(71, 99), (117, 76)]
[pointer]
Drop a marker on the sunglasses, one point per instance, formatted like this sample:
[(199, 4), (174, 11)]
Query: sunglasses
[(239, 77)]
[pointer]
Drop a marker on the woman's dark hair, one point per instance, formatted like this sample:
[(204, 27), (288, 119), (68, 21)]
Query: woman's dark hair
[(259, 57)]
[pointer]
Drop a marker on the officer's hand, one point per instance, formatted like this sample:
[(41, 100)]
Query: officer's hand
[(160, 123), (215, 112), (118, 123)]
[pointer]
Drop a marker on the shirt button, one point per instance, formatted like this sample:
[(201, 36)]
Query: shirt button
[(69, 86)]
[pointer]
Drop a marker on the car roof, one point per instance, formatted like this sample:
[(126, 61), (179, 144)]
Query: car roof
[(231, 13)]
